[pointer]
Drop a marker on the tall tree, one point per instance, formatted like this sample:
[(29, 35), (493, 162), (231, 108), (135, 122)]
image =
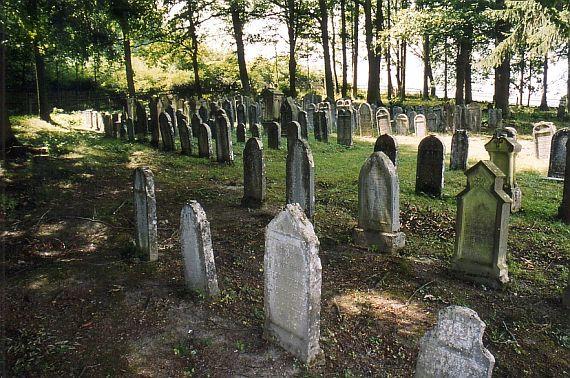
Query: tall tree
[(324, 21), (355, 32), (238, 13), (343, 38)]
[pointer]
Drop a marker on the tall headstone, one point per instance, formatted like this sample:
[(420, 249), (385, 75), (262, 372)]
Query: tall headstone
[(203, 111), (448, 116), (166, 131), (154, 125), (274, 135), (240, 133), (292, 295), (254, 183), (431, 120), (145, 214), (116, 123), (557, 164), (475, 116), (421, 126), (412, 118), (195, 122), (197, 252), (402, 124), (321, 125), (228, 107), (303, 122), (300, 177), (379, 206), (430, 166), (459, 150), (454, 348), (503, 152), (172, 114), (240, 114), (185, 134), (367, 128), (253, 114), (457, 116), (542, 133), (130, 130), (293, 133), (388, 145), (438, 111), (288, 112), (224, 148), (204, 141), (482, 223), (141, 128), (383, 121), (564, 209), (345, 126)]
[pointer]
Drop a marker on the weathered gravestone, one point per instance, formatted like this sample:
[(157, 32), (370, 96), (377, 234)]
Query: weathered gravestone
[(383, 121), (459, 150), (185, 134), (402, 124), (145, 214), (255, 130), (292, 295), (116, 123), (367, 127), (196, 243), (411, 119), (345, 125), (396, 111), (482, 223), (448, 118), (253, 114), (228, 108), (107, 125), (430, 166), (321, 125), (438, 111), (311, 116), (195, 122), (166, 132), (289, 111), (240, 133), (564, 209), (141, 127), (87, 119), (172, 114), (475, 116), (130, 130), (421, 127), (389, 146), (457, 116), (542, 133), (495, 118), (503, 153), (240, 114), (293, 133), (224, 148), (273, 130), (300, 176), (204, 141), (454, 348), (154, 125), (254, 183), (464, 117), (123, 127), (379, 206), (557, 164), (431, 121), (303, 122), (203, 111)]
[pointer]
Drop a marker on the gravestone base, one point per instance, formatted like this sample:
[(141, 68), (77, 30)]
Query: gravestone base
[(308, 353), (516, 196), (489, 276), (386, 242)]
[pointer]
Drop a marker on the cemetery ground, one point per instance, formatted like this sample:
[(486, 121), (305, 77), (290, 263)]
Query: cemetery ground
[(78, 302)]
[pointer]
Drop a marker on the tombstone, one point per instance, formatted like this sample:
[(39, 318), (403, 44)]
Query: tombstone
[(454, 348), (396, 111), (274, 135), (383, 121), (228, 108), (345, 126), (389, 146), (271, 100), (321, 125), (300, 176), (141, 125), (154, 125), (564, 209), (503, 153), (459, 150), (431, 121), (292, 295), (448, 116), (185, 134), (326, 107), (557, 164), (379, 205), (86, 115), (311, 98), (195, 122), (311, 116), (542, 133), (224, 148), (483, 210), (457, 116), (145, 214), (438, 111), (203, 111), (254, 184), (464, 118), (421, 127), (107, 127), (130, 130), (172, 114), (402, 124), (303, 122), (240, 114), (475, 115), (204, 141), (196, 244), (116, 124), (253, 114), (166, 131), (430, 166), (293, 133), (123, 127), (240, 133), (412, 120), (255, 130)]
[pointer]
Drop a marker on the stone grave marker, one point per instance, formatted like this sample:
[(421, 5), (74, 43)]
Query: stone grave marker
[(274, 135), (107, 126), (224, 148), (185, 134), (145, 214), (203, 111), (154, 125), (421, 127), (204, 141), (228, 108), (116, 124), (542, 133), (457, 116), (503, 152), (448, 116), (321, 125), (379, 205), (253, 114), (367, 128), (292, 295), (288, 114), (388, 145), (345, 126), (564, 209), (303, 122), (172, 114), (557, 164), (454, 348), (383, 121), (430, 166), (475, 116), (438, 111), (431, 121), (311, 116), (123, 127), (396, 111), (166, 132), (240, 114), (197, 252), (402, 124), (482, 223), (240, 133), (255, 130), (254, 183), (293, 133), (130, 130), (411, 119), (141, 128), (300, 177), (195, 122), (459, 150)]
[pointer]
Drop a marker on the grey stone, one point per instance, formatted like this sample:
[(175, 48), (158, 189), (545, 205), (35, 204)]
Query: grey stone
[(292, 298), (421, 126), (204, 141), (224, 148), (130, 130), (557, 164), (107, 125), (430, 166), (431, 121), (196, 243), (203, 111), (255, 130), (271, 104), (240, 114), (459, 150), (273, 135), (253, 114), (185, 134), (116, 124), (475, 116), (172, 114), (383, 121), (503, 152), (311, 116), (300, 177), (254, 183), (228, 107), (412, 118), (240, 133), (145, 214), (402, 124), (141, 125), (289, 113), (448, 116), (345, 126), (482, 223), (457, 116), (293, 133), (195, 122), (123, 127), (166, 132), (542, 133), (564, 209), (154, 125), (388, 145), (303, 122), (454, 348)]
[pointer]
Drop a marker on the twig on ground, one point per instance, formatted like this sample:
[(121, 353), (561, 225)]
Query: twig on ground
[(41, 218), (119, 208), (97, 221), (414, 293)]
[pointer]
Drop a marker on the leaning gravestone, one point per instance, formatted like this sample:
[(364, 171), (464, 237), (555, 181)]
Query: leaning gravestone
[(224, 148), (454, 348), (185, 134), (166, 132), (300, 176), (274, 135), (402, 124), (459, 150), (292, 295), (421, 127), (389, 146), (240, 133), (196, 243), (542, 133), (254, 183), (345, 126), (383, 121), (557, 164), (379, 206), (503, 152), (204, 141), (564, 209), (303, 122), (145, 214), (367, 127), (430, 166), (482, 224)]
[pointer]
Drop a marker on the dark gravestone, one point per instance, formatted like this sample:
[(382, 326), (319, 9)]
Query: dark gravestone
[(145, 214), (255, 130), (253, 114), (564, 210), (240, 133), (293, 133), (123, 126), (389, 146), (448, 118), (300, 180), (412, 119), (320, 122), (185, 134), (203, 111), (430, 166), (154, 125), (304, 124), (130, 130), (229, 109), (274, 135), (431, 120), (240, 114), (166, 132), (288, 113), (557, 165), (254, 187), (459, 150), (345, 126), (195, 122), (172, 114), (116, 124), (141, 128), (224, 148), (204, 141)]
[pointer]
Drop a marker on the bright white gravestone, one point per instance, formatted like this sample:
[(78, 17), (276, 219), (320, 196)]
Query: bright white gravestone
[(145, 214)]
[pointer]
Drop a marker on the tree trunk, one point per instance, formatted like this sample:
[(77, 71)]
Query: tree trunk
[(128, 61), (468, 84), (445, 71), (431, 80), (237, 23), (460, 66), (521, 80), (502, 71), (344, 88), (355, 31), (388, 56), (543, 103), (326, 50), (529, 85), (425, 94), (404, 57), (568, 77), (333, 48), (7, 138), (41, 85), (194, 54)]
